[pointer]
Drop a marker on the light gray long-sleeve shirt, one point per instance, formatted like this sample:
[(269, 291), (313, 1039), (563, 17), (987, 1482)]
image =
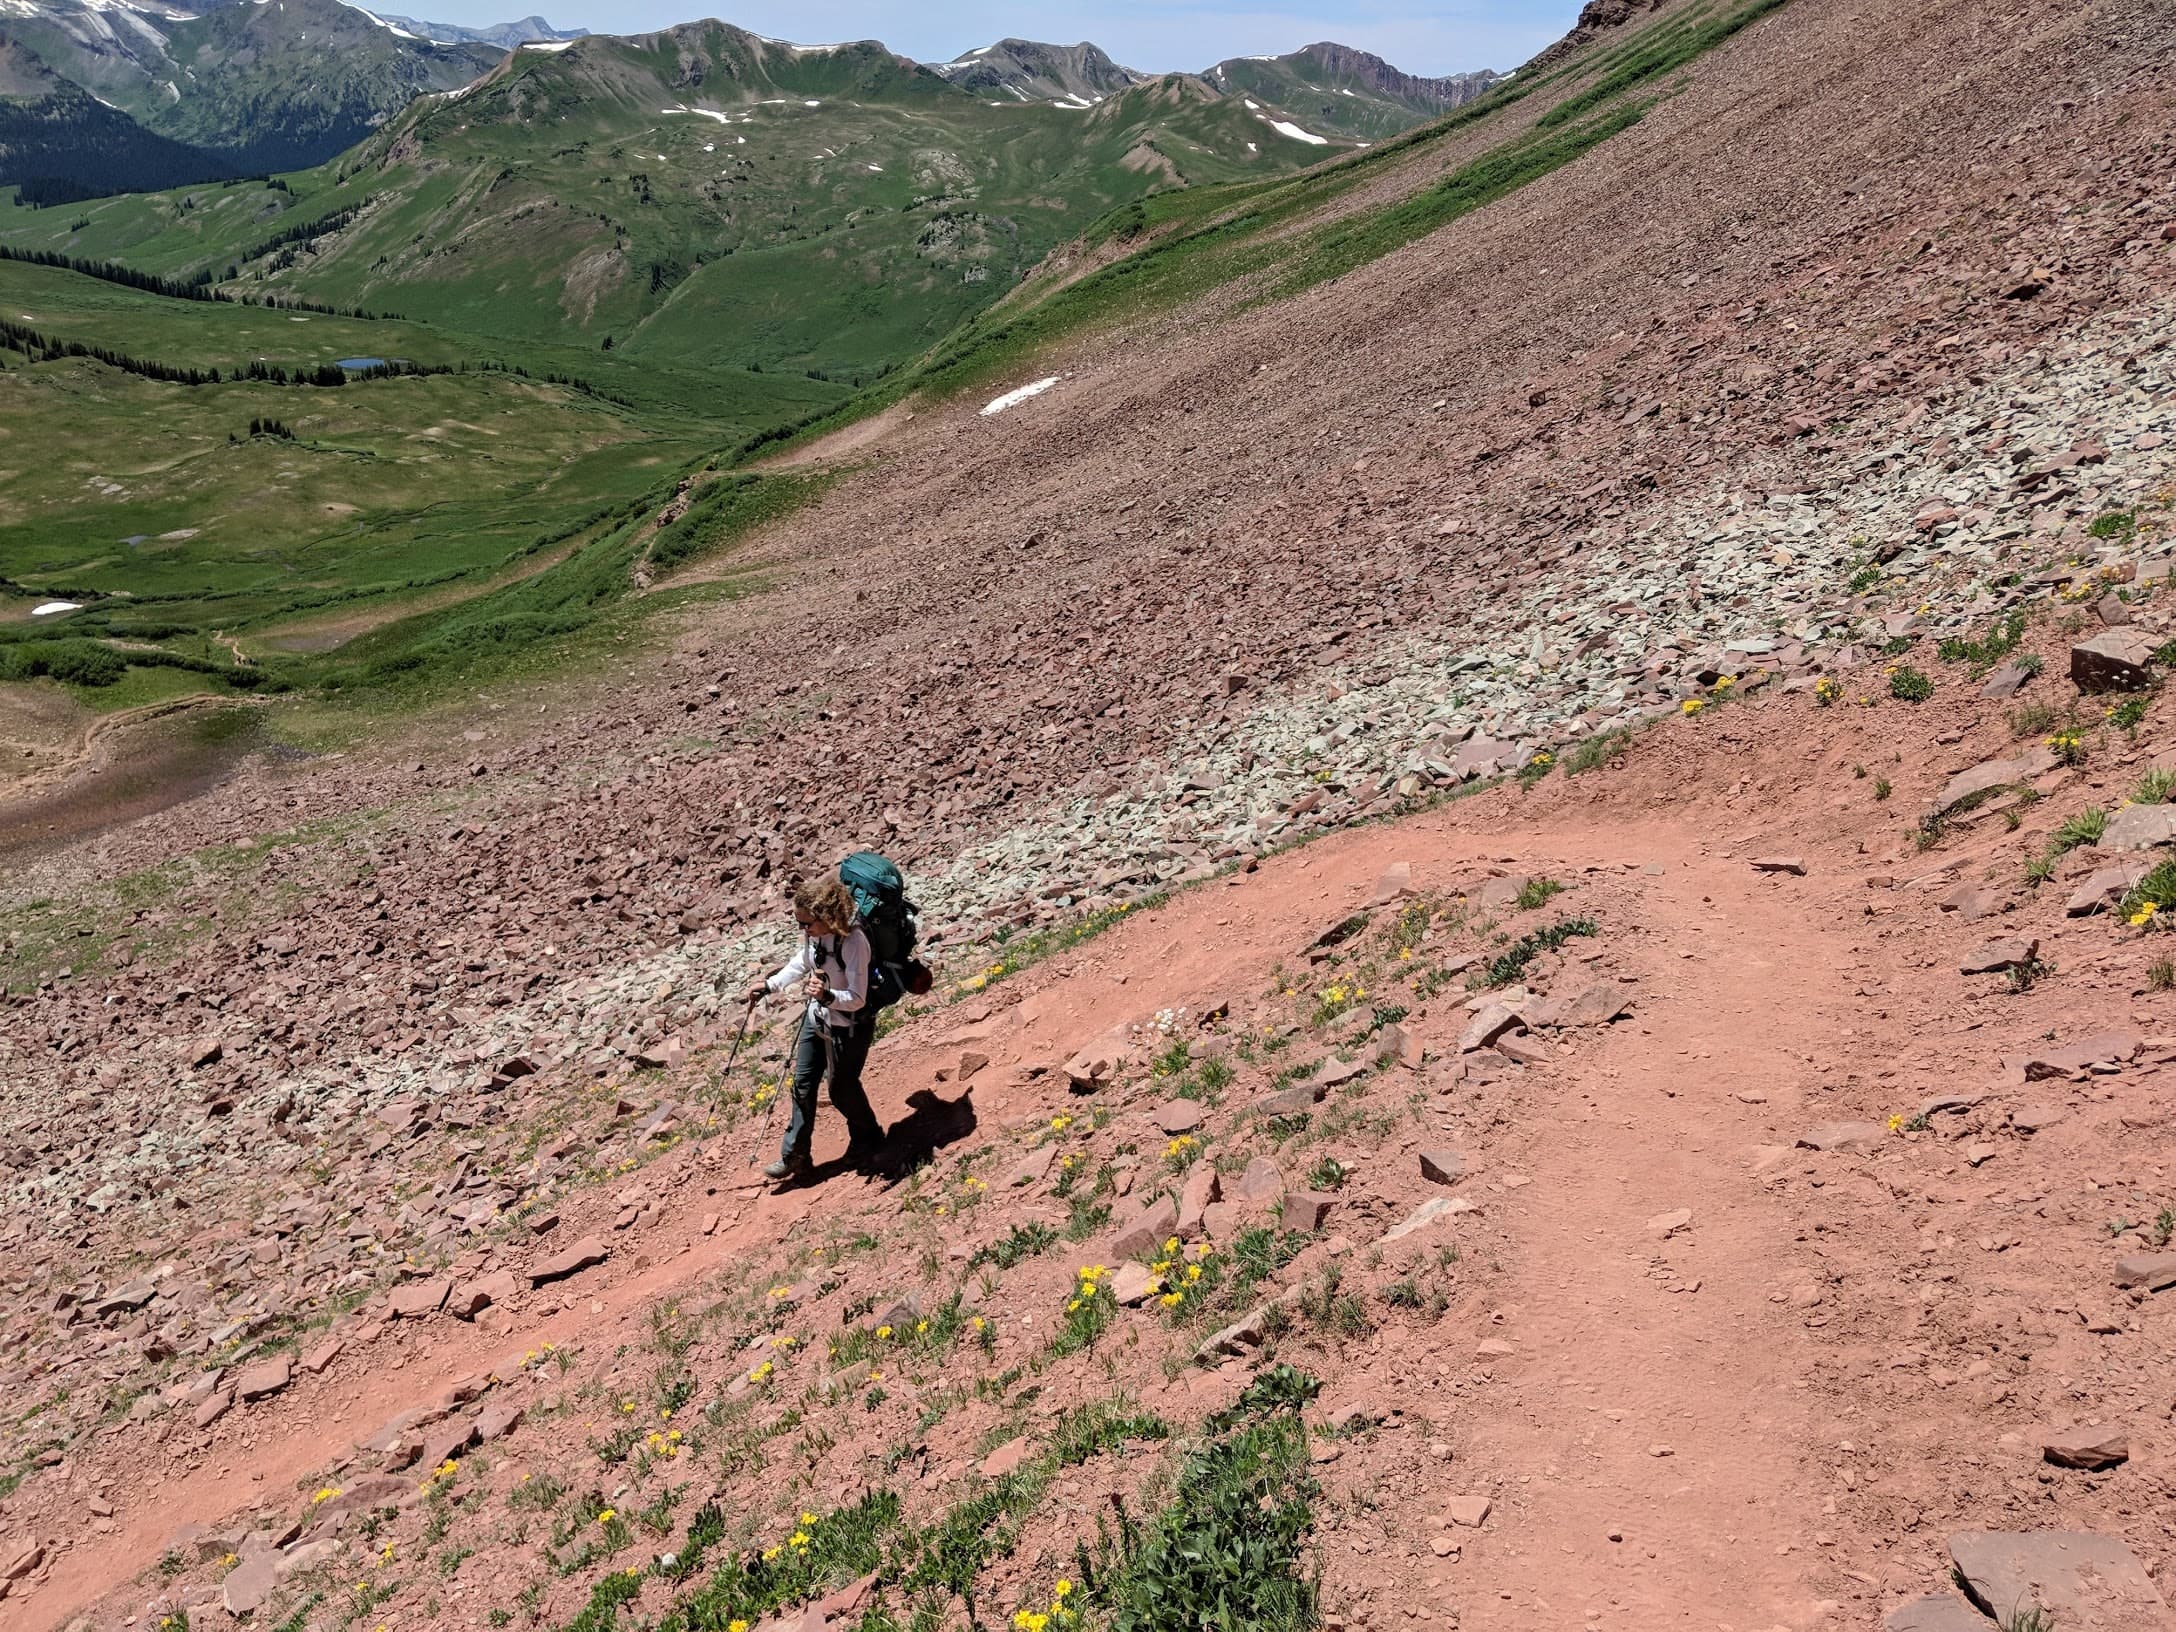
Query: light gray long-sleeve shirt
[(843, 960)]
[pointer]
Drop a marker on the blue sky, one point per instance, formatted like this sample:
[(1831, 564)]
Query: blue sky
[(1443, 38)]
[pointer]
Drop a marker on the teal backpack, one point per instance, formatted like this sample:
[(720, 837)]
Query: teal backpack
[(888, 918)]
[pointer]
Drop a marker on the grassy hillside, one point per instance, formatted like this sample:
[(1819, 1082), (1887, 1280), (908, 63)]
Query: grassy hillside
[(284, 520)]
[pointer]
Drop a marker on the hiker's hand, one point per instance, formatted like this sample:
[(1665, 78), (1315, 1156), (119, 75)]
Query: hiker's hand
[(816, 989), (757, 991)]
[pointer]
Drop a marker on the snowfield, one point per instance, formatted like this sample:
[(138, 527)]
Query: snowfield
[(1012, 398)]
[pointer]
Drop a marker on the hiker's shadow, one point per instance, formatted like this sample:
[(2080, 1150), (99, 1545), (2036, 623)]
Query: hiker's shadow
[(929, 1125)]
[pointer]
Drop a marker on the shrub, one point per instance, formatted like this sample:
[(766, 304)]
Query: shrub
[(2154, 787), (1908, 685)]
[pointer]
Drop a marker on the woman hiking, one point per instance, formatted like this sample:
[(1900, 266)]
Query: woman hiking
[(832, 970)]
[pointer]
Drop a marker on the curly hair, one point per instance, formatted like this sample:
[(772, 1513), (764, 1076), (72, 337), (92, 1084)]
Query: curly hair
[(825, 901)]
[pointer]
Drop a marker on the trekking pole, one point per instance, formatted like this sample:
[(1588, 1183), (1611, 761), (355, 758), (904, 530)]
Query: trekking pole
[(785, 1085), (747, 1014)]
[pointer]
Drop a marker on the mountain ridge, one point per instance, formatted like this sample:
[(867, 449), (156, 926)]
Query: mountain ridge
[(260, 88)]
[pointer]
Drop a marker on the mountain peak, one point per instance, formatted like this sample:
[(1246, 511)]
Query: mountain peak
[(1034, 71)]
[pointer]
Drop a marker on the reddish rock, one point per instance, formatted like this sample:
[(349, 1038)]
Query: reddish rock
[(1794, 865), (472, 1298), (1132, 1284), (2091, 1449), (497, 1421), (250, 1583), (1395, 884), (1306, 1209), (412, 1300), (1091, 1067), (1201, 1190), (1937, 1612), (1007, 1458), (1492, 1021), (1261, 1182), (2148, 1271), (1469, 1511), (1147, 1230), (1181, 1116), (1997, 957), (1596, 1005), (1033, 1168), (318, 1358), (2075, 1060), (586, 1253), (1995, 773), (1860, 1138), (1442, 1166), (2084, 1580), (264, 1379)]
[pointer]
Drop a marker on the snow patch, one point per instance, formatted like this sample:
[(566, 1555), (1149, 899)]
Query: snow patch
[(702, 113), (1010, 399), (1250, 104), (1285, 128), (1341, 91), (878, 168), (547, 45), (53, 608), (397, 33)]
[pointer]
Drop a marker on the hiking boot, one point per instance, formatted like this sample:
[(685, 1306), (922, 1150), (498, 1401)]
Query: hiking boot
[(786, 1167), (865, 1158)]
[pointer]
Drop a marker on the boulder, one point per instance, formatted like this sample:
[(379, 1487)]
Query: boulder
[(584, 1254), (414, 1299), (1306, 1209), (264, 1379), (1860, 1138), (2147, 1271), (2006, 681), (1091, 1067), (1132, 1284), (250, 1583), (1201, 1190), (1937, 1612), (1794, 865), (1261, 1182), (1995, 773), (1596, 1005), (2102, 889), (1997, 957), (1443, 1166), (2089, 1448), (2114, 660), (2072, 1060), (1147, 1230), (2139, 827), (2084, 1580), (472, 1298), (1492, 1021), (1181, 1116)]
